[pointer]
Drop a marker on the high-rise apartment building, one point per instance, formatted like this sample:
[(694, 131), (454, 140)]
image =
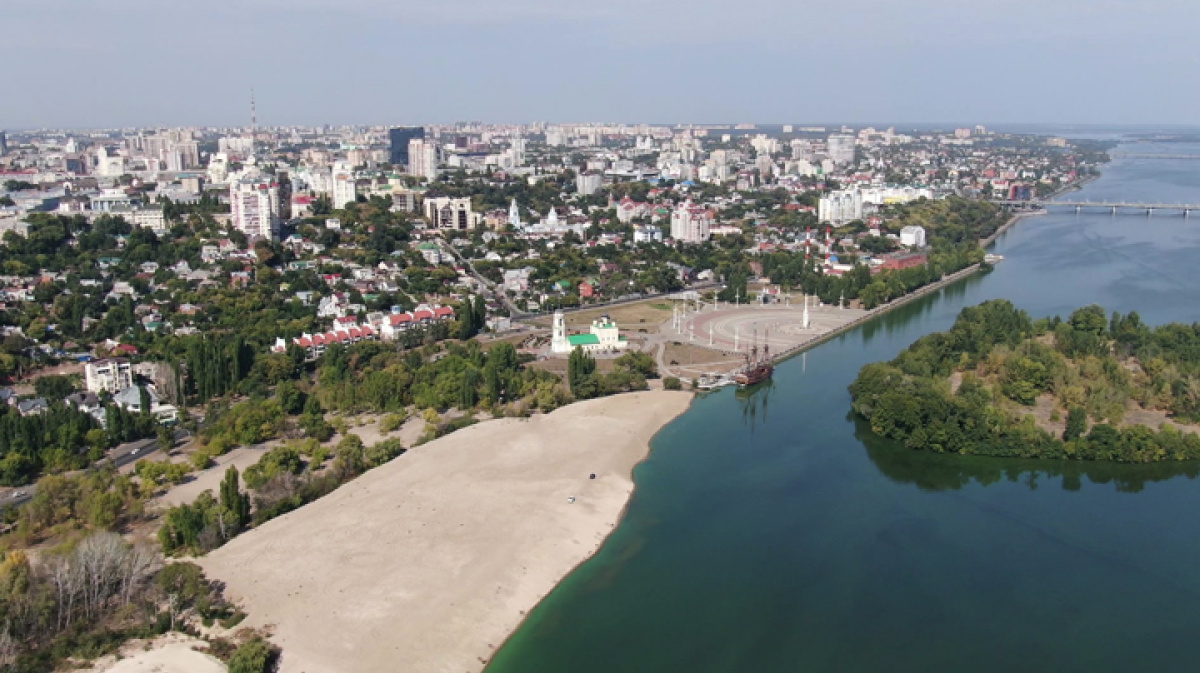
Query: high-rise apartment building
[(400, 138), (254, 207), (109, 165), (3, 144), (690, 223), (344, 189), (841, 148), (423, 158), (588, 183), (218, 167)]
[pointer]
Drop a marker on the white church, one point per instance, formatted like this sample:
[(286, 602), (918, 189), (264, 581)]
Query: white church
[(549, 225), (603, 338)]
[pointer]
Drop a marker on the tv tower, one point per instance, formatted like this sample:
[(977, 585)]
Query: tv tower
[(253, 127)]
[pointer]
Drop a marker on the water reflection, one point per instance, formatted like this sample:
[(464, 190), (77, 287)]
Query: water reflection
[(754, 401), (940, 472), (897, 321)]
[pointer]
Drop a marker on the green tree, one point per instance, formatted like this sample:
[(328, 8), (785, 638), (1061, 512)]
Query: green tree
[(166, 439), (53, 387), (580, 368), (256, 656), (1076, 424), (234, 500)]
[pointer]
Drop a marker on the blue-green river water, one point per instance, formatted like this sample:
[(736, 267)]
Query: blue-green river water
[(774, 533)]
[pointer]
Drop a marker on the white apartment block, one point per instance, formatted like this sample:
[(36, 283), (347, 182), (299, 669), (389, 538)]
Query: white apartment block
[(344, 189), (690, 223), (847, 205), (423, 158), (588, 183), (841, 148), (113, 375), (254, 207)]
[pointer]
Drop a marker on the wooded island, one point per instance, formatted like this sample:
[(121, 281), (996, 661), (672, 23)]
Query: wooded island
[(1091, 387)]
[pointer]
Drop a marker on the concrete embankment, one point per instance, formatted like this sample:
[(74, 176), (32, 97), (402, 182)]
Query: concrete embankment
[(932, 287), (878, 311)]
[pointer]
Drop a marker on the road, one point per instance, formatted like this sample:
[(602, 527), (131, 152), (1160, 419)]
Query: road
[(120, 456), (502, 296)]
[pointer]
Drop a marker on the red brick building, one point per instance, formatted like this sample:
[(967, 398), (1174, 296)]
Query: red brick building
[(904, 260)]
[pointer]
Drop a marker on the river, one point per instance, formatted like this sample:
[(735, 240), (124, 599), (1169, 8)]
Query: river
[(772, 532)]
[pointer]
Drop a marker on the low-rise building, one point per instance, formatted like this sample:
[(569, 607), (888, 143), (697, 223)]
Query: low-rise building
[(112, 375), (913, 236), (603, 337)]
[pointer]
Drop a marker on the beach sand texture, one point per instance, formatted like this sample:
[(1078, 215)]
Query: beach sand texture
[(171, 653), (429, 562)]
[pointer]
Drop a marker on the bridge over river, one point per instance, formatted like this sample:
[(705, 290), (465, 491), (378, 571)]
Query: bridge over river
[(1113, 207), (1147, 155)]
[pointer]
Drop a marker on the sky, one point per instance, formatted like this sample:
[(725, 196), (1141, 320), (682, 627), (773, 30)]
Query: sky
[(84, 63)]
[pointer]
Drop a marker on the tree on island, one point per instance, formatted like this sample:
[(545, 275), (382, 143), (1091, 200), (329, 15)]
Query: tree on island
[(1007, 365)]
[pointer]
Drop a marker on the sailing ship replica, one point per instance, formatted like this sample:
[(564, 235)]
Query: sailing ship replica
[(758, 367)]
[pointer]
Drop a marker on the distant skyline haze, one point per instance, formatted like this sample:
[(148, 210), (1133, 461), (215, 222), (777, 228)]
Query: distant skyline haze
[(153, 63)]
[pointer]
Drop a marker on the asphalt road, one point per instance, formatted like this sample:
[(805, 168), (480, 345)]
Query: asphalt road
[(120, 456)]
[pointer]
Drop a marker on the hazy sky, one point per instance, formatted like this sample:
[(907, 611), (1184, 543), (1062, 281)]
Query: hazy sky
[(166, 62)]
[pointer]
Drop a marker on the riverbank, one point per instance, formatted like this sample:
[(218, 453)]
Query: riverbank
[(932, 287), (429, 562), (878, 311), (1017, 217)]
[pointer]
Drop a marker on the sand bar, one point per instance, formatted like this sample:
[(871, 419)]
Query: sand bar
[(429, 562)]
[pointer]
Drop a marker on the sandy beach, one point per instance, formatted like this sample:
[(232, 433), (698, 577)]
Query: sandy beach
[(171, 653), (429, 562)]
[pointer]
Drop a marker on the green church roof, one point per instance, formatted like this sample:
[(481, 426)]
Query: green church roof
[(584, 340)]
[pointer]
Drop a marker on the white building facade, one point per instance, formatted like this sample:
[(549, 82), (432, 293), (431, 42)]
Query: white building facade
[(912, 236), (112, 375), (423, 158), (588, 183), (254, 207), (841, 148), (690, 223), (847, 205), (603, 337), (344, 189)]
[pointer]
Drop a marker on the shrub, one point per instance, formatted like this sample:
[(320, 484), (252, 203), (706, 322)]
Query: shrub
[(672, 383), (392, 422), (201, 459), (256, 656)]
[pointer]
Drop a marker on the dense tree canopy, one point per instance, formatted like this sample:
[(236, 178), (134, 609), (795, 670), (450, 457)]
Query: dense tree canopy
[(1003, 363)]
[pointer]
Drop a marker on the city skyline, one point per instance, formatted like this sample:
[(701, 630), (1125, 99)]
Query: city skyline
[(134, 63)]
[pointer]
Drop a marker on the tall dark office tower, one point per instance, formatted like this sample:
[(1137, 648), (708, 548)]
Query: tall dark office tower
[(3, 144), (400, 138)]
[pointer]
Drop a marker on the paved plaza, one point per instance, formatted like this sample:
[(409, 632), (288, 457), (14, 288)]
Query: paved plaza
[(729, 329)]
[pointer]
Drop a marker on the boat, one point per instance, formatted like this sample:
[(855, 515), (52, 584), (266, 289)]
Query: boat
[(714, 381), (754, 375), (759, 366)]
